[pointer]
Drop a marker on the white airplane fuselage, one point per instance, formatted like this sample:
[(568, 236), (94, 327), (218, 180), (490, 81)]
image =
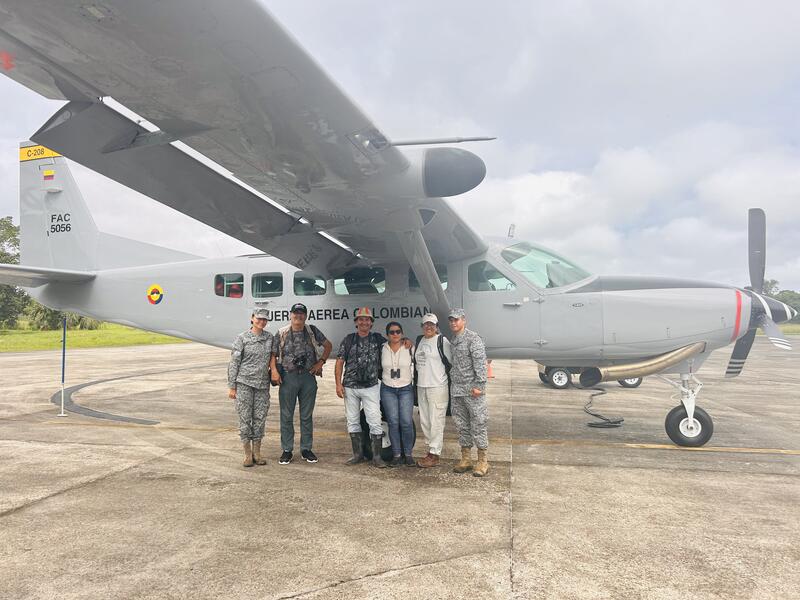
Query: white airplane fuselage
[(594, 321)]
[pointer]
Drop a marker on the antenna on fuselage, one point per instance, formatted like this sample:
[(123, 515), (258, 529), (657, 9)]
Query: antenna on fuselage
[(511, 229)]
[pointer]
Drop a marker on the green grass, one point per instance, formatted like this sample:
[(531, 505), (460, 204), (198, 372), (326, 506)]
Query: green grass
[(109, 334), (790, 328)]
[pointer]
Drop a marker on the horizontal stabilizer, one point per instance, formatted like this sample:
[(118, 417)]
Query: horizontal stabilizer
[(36, 276)]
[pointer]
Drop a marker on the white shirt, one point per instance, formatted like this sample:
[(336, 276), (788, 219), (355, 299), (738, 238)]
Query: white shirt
[(430, 368), (396, 360)]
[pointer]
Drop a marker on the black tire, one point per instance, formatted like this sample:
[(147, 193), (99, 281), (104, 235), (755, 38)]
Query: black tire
[(544, 379), (559, 377), (672, 424), (632, 382)]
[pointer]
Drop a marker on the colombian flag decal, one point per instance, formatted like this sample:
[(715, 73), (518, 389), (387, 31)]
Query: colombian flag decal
[(49, 175), (155, 294)]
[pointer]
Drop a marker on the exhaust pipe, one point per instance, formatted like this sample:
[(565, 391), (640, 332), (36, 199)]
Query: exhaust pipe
[(594, 375)]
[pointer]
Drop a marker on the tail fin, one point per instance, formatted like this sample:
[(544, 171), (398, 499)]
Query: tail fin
[(57, 230)]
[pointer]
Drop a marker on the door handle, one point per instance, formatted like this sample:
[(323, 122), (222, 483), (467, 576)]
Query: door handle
[(513, 304)]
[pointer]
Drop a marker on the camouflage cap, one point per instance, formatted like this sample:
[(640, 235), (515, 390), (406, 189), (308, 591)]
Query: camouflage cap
[(261, 313), (457, 313)]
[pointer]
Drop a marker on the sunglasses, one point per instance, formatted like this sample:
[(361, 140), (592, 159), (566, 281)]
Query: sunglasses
[(395, 331)]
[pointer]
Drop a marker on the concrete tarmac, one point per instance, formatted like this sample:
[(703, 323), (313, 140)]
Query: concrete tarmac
[(106, 508)]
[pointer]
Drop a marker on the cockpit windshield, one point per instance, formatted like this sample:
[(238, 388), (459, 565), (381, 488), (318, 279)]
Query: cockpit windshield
[(542, 268)]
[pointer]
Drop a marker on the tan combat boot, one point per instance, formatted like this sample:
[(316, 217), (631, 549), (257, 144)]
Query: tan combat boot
[(257, 453), (248, 455), (466, 461), (482, 466)]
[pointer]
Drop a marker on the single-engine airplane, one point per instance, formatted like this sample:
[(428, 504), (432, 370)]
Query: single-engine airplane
[(344, 216)]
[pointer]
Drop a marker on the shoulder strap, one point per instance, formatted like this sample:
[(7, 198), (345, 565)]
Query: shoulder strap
[(283, 333), (440, 346), (311, 340), (348, 345), (416, 345)]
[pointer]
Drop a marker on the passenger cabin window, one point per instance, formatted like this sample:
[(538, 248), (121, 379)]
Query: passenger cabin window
[(267, 285), (441, 271), (361, 280), (544, 269), (306, 284), (229, 285), (484, 277)]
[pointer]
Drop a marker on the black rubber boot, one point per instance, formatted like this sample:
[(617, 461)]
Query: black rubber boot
[(358, 455), (377, 445)]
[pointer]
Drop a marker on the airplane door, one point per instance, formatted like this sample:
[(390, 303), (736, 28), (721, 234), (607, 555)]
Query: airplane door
[(502, 309), (571, 322)]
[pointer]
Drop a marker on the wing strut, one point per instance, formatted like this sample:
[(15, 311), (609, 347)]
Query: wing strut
[(416, 251)]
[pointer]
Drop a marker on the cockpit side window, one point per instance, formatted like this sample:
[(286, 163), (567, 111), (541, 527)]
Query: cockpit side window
[(229, 285), (542, 268), (484, 277), (361, 280), (306, 284)]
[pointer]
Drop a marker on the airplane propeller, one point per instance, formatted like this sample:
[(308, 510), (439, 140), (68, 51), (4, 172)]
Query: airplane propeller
[(764, 310)]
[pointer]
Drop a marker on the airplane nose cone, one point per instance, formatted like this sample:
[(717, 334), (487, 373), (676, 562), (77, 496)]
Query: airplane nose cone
[(780, 311)]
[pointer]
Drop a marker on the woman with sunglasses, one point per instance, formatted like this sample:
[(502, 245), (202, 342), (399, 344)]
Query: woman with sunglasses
[(397, 394)]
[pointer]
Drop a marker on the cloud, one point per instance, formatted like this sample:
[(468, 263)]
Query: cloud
[(632, 136)]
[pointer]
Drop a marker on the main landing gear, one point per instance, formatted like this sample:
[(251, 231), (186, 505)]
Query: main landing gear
[(560, 378), (687, 424)]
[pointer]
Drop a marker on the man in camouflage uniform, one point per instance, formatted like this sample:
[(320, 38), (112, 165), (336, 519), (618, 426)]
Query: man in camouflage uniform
[(299, 365), (467, 391), (248, 384)]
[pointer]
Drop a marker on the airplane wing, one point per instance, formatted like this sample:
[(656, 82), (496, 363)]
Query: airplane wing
[(36, 276), (226, 80)]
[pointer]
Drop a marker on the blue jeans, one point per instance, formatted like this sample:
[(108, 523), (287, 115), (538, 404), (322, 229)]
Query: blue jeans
[(398, 408)]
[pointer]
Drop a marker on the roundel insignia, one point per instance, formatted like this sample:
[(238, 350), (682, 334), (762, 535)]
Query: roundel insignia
[(155, 294)]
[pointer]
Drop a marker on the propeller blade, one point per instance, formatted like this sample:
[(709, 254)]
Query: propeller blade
[(757, 247), (740, 352), (774, 333)]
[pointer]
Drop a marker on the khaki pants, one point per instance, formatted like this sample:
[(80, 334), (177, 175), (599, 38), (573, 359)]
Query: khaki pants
[(432, 410)]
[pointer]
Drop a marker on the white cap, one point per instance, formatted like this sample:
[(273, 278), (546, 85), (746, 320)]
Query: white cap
[(430, 318)]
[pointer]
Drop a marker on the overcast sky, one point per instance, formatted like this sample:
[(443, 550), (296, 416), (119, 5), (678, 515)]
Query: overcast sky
[(633, 136)]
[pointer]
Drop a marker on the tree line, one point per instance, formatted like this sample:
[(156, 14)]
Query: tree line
[(16, 305)]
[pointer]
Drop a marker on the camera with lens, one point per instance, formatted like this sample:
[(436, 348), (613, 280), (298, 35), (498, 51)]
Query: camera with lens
[(300, 361)]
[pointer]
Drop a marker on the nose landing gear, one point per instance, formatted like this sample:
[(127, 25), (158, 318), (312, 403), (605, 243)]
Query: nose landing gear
[(687, 424)]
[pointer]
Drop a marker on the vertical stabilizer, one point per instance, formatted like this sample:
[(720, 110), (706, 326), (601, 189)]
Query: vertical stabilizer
[(56, 228)]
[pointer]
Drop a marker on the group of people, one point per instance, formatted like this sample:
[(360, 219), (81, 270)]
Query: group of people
[(382, 376)]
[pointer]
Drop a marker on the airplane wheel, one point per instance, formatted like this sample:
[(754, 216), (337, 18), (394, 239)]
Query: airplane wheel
[(684, 433), (559, 377), (632, 382), (544, 378)]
